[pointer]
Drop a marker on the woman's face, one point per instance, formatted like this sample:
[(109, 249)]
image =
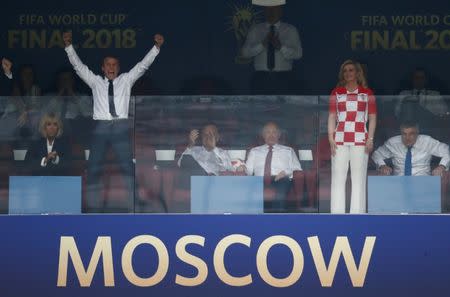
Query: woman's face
[(51, 129), (349, 73)]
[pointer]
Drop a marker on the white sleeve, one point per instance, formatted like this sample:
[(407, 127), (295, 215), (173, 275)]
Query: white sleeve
[(139, 69), (43, 163), (295, 163), (252, 46), (291, 48), (82, 70), (225, 159), (382, 153), (56, 160), (250, 163), (439, 149)]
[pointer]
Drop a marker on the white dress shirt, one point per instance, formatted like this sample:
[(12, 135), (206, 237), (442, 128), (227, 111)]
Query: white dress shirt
[(291, 48), (283, 159), (429, 99), (422, 151), (211, 161), (49, 150), (99, 84)]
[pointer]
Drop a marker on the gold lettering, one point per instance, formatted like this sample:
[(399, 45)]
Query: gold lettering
[(127, 261), (219, 264), (341, 246), (297, 267), (198, 263), (102, 249)]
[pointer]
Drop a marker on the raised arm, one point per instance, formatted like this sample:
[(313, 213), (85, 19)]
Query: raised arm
[(139, 69), (82, 70)]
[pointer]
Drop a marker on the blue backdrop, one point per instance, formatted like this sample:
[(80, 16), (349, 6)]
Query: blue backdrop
[(201, 42), (410, 256)]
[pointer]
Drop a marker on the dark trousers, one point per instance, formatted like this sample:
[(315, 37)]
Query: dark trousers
[(282, 188), (189, 167), (114, 134)]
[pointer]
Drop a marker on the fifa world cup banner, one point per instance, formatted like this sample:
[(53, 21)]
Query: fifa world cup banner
[(187, 255)]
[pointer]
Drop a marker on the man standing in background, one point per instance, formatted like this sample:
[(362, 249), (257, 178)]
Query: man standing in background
[(273, 45)]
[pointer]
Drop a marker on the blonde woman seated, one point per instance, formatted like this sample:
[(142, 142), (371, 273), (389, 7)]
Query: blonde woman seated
[(49, 155)]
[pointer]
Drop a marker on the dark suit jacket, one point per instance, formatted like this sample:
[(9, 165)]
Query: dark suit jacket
[(6, 84), (38, 150)]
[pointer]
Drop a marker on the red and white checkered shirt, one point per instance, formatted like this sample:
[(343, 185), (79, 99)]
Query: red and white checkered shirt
[(352, 110)]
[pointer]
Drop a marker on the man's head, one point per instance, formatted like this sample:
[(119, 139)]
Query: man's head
[(210, 136), (419, 79), (410, 132), (273, 14), (270, 133), (111, 67), (65, 79)]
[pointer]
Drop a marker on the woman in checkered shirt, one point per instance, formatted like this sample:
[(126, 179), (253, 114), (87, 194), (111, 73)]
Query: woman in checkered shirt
[(352, 105)]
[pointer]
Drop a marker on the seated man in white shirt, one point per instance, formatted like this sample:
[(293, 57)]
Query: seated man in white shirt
[(411, 153), (205, 159), (275, 162), (273, 45)]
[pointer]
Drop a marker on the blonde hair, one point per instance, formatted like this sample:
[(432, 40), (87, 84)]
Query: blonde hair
[(360, 76), (50, 118)]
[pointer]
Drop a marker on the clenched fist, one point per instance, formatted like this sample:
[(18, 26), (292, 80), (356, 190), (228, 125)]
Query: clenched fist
[(6, 65), (159, 40), (67, 37)]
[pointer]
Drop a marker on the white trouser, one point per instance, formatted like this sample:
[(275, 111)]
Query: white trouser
[(358, 159)]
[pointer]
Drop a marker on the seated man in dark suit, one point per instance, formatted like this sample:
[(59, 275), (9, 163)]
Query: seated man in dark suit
[(49, 155)]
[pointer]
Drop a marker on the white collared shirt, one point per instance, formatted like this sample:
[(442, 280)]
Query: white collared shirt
[(291, 47), (122, 84), (429, 99), (283, 159), (213, 161), (49, 150), (422, 151)]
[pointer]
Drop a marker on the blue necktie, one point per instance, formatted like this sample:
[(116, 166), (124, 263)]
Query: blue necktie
[(408, 162)]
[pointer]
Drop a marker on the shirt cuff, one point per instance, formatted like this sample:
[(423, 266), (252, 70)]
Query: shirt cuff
[(155, 49), (69, 49), (284, 50), (43, 163), (382, 163), (259, 48), (56, 160)]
